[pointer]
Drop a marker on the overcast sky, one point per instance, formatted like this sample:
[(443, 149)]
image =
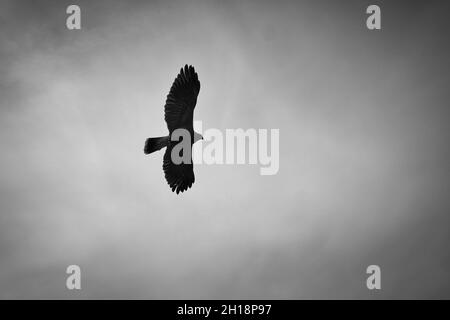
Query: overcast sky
[(364, 150)]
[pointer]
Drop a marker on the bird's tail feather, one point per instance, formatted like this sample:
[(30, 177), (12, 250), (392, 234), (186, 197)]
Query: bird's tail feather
[(155, 144)]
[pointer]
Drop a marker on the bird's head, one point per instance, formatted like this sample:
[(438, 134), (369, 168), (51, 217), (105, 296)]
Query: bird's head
[(197, 136)]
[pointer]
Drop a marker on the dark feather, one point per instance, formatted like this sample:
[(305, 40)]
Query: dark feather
[(181, 100), (180, 177), (179, 113)]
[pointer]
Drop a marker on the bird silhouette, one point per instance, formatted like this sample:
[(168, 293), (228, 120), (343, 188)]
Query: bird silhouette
[(179, 114)]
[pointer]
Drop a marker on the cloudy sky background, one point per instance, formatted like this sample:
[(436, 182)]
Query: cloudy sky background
[(364, 150)]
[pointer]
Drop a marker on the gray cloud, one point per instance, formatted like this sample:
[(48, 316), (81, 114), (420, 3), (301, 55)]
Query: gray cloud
[(363, 150)]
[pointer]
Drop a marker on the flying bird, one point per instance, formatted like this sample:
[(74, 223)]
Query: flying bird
[(179, 114)]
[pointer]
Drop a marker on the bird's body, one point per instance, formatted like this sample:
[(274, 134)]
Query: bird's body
[(179, 114)]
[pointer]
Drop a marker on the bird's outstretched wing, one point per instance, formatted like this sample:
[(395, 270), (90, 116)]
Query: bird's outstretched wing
[(181, 100), (180, 177)]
